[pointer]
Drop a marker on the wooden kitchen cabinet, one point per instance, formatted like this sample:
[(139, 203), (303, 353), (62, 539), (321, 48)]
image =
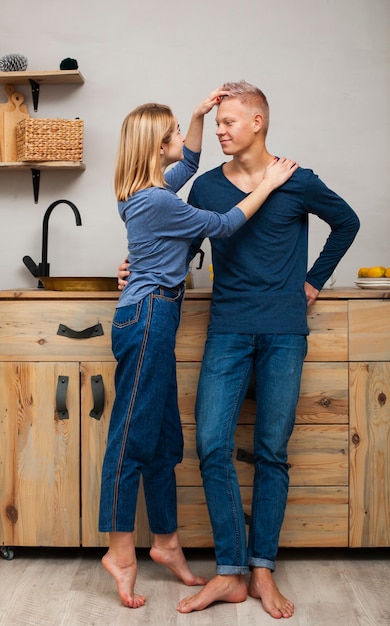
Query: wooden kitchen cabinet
[(50, 467), (39, 457), (317, 513), (50, 464), (369, 372)]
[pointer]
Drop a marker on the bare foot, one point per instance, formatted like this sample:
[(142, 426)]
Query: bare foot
[(230, 588), (167, 551), (125, 575), (263, 586)]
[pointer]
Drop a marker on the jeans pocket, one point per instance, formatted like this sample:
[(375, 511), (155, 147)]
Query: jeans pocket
[(127, 315)]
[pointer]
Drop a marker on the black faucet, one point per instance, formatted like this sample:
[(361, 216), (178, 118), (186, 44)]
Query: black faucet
[(43, 268)]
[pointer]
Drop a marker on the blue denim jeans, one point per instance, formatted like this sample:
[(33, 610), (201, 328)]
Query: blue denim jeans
[(145, 435), (225, 374)]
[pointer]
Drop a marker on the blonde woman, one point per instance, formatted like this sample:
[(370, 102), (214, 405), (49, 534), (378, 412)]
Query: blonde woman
[(145, 435)]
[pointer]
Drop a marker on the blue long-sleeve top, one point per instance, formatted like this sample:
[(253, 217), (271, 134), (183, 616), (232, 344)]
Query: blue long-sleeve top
[(259, 272), (160, 228)]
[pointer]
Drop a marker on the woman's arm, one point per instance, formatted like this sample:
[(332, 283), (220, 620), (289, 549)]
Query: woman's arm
[(193, 139), (276, 174)]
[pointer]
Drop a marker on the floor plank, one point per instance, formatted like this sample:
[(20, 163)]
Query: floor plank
[(52, 587)]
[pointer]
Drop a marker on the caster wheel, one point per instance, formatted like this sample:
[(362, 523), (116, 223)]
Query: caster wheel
[(7, 553)]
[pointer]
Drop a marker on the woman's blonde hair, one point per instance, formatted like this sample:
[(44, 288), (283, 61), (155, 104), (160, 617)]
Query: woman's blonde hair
[(138, 164)]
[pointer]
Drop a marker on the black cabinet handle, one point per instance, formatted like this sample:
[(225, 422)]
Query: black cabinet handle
[(246, 457), (98, 396), (87, 333), (62, 388)]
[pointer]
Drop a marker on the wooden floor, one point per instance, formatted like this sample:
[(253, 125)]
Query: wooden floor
[(69, 587)]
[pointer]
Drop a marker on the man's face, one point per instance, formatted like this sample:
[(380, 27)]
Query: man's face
[(235, 126)]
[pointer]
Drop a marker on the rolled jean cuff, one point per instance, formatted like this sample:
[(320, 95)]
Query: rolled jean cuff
[(229, 570), (262, 563)]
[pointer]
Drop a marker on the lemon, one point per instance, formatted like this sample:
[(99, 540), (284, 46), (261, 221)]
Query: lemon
[(362, 273), (387, 272), (376, 272)]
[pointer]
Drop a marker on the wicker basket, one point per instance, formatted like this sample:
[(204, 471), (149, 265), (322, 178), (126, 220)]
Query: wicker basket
[(49, 140)]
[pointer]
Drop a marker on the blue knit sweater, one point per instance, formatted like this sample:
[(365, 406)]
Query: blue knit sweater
[(259, 272)]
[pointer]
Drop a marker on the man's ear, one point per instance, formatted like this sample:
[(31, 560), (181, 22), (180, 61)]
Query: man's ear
[(257, 122)]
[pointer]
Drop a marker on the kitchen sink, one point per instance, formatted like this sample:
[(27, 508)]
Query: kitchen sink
[(79, 283)]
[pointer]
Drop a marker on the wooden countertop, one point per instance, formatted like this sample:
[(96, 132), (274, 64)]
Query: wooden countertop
[(337, 293)]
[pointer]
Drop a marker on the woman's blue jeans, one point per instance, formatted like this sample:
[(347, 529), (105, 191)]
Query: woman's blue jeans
[(225, 374), (145, 435)]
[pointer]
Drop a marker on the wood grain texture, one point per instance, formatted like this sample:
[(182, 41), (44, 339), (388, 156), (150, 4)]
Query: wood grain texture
[(323, 396), (39, 456), (316, 455), (315, 517), (328, 340), (28, 330), (369, 454), (71, 588), (328, 324), (369, 330)]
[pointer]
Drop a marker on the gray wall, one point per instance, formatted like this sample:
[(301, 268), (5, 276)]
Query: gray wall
[(323, 64)]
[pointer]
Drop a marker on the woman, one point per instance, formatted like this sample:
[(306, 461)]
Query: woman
[(145, 435)]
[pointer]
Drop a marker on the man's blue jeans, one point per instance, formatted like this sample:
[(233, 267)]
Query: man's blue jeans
[(145, 435), (225, 374)]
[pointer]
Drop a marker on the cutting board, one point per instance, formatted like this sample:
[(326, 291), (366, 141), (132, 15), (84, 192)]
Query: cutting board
[(7, 106), (10, 117)]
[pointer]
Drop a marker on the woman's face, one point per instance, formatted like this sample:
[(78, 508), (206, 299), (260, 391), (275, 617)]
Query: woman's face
[(172, 151)]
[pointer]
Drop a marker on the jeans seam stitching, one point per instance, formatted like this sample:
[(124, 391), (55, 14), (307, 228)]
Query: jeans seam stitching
[(129, 413)]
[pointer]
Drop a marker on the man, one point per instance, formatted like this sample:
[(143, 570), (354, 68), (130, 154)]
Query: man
[(261, 292)]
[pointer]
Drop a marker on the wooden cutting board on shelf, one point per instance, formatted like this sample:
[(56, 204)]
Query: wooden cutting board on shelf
[(7, 106), (10, 117)]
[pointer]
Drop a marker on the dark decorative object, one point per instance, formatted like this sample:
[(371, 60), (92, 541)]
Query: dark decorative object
[(13, 63), (69, 64)]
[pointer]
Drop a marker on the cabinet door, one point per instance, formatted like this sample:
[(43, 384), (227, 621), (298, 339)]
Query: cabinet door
[(369, 454), (97, 397), (39, 454)]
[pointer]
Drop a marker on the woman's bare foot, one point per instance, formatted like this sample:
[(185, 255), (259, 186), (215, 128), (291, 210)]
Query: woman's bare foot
[(120, 561), (263, 586), (167, 551), (230, 588), (125, 576)]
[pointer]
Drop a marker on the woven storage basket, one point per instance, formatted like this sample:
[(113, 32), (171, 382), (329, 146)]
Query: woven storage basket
[(49, 140)]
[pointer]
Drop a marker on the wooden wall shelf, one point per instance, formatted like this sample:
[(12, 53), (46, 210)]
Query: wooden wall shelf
[(36, 79), (43, 165), (55, 77)]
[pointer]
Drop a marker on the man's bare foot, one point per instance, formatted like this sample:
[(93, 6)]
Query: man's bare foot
[(167, 551), (124, 575), (230, 588), (263, 586)]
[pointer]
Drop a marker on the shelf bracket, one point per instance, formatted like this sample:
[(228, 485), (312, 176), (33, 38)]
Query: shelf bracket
[(34, 93), (36, 175)]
